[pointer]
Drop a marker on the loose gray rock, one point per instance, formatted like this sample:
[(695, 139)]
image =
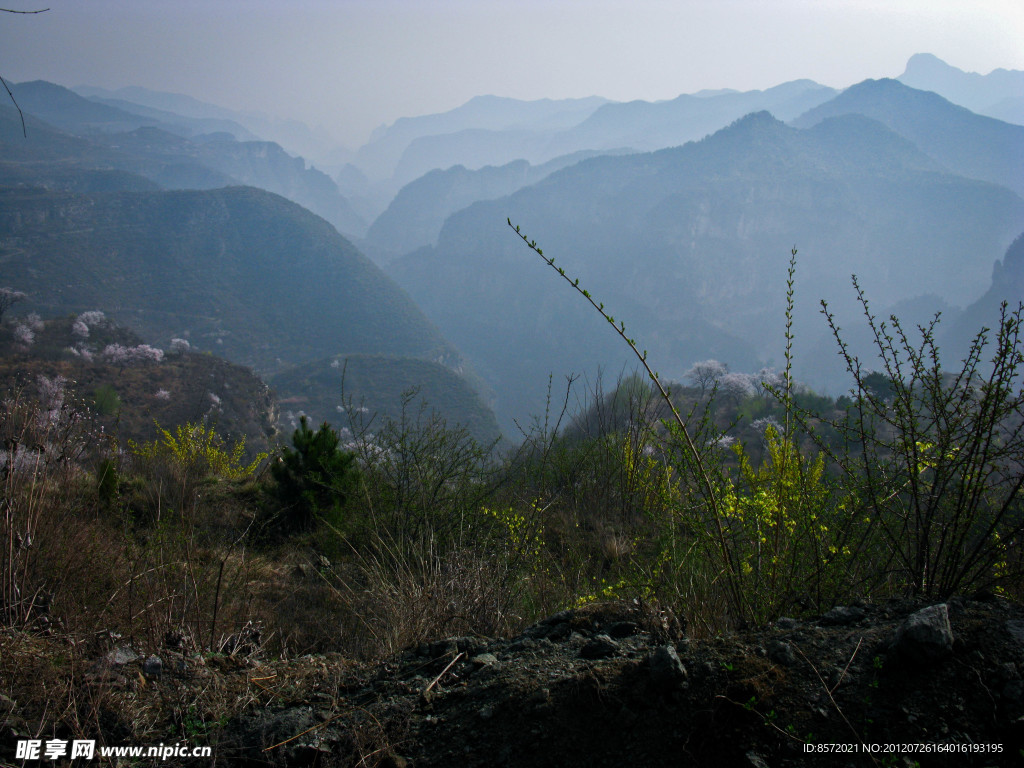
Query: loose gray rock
[(667, 671), (621, 629), (926, 636), (842, 615), (599, 647), (469, 645), (120, 656), (153, 667), (785, 622), (781, 653)]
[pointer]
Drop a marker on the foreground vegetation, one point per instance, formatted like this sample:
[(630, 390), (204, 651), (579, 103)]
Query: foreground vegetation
[(730, 500)]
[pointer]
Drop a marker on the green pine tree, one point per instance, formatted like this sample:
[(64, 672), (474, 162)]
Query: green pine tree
[(313, 478)]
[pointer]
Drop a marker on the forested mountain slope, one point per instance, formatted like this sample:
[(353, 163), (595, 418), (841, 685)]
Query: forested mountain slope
[(238, 270)]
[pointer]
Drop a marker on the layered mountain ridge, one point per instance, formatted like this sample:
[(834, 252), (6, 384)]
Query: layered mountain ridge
[(689, 245)]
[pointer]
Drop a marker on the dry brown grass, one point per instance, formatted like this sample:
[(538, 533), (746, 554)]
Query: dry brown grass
[(398, 594)]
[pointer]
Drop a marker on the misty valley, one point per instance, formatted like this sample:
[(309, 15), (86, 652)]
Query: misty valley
[(525, 417)]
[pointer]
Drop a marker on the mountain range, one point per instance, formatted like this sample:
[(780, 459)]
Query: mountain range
[(199, 116), (381, 156), (415, 217), (965, 143), (679, 215), (451, 139), (156, 150), (998, 94), (237, 271), (689, 245)]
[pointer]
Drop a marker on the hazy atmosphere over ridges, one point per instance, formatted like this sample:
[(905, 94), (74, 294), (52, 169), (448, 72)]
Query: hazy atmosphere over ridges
[(353, 65)]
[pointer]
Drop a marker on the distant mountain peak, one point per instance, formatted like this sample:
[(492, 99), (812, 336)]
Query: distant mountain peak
[(888, 90), (962, 141), (881, 84), (999, 94), (763, 119), (930, 65), (921, 63)]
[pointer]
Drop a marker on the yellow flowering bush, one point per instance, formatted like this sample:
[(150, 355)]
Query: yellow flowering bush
[(196, 447)]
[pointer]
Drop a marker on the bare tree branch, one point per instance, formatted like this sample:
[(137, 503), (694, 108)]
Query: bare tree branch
[(24, 131)]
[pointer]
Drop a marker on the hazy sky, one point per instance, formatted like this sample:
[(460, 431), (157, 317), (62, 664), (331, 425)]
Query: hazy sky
[(351, 65)]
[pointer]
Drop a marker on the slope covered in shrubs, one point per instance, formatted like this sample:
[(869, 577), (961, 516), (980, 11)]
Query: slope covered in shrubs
[(733, 503)]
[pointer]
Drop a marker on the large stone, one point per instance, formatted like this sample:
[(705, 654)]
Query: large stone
[(484, 660), (667, 671), (926, 636)]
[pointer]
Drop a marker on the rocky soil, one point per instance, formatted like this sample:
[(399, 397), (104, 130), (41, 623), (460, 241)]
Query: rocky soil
[(611, 684)]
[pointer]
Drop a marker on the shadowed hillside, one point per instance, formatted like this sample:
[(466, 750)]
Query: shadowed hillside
[(239, 271)]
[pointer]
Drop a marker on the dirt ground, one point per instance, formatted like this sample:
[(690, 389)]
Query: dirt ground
[(897, 684)]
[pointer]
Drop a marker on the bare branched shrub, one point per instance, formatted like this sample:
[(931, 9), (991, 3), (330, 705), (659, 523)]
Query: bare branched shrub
[(926, 497), (42, 529), (938, 457)]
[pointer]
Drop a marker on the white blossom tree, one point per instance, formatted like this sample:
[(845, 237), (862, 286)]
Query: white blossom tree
[(706, 374), (121, 355), (736, 385), (24, 335), (180, 346)]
